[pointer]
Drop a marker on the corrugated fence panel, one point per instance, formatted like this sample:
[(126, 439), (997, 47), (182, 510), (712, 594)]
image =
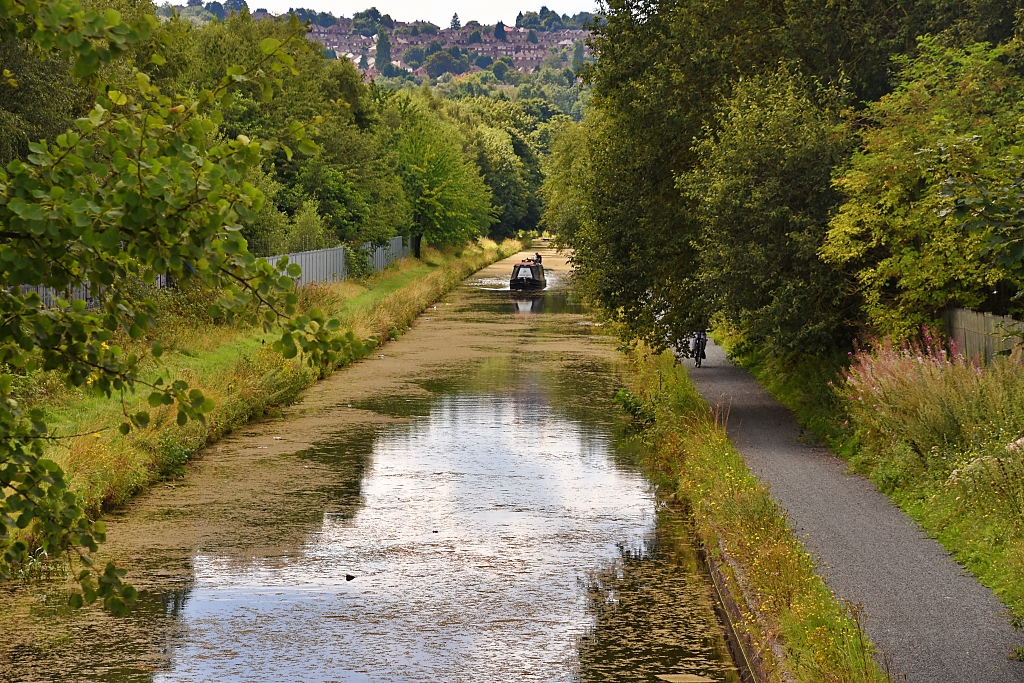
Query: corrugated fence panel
[(382, 257), (321, 265), (982, 334)]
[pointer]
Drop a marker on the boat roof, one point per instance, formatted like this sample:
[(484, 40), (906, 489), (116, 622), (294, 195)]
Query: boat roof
[(527, 263)]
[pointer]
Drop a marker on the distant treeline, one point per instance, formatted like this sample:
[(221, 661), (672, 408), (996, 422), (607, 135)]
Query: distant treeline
[(368, 21)]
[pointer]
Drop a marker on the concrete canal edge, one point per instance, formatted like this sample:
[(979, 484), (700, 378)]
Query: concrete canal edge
[(781, 620), (742, 648)]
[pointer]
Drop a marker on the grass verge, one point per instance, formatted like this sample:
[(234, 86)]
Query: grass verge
[(233, 366), (936, 432), (801, 632)]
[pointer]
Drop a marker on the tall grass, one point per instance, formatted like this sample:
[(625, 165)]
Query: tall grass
[(942, 434), (802, 632)]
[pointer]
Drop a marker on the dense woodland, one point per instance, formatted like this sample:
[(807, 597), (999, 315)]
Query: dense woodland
[(444, 166), (809, 173)]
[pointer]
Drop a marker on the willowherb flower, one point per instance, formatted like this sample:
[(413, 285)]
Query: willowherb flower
[(1015, 446)]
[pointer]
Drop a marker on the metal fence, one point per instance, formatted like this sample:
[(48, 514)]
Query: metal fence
[(982, 334), (382, 257), (330, 265), (87, 293), (320, 265)]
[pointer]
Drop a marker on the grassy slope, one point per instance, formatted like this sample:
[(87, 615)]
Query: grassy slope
[(234, 367), (987, 540), (786, 604)]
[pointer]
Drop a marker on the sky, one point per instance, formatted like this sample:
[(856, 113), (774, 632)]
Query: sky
[(489, 12)]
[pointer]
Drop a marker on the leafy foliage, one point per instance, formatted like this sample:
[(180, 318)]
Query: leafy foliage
[(671, 79), (953, 112), (763, 188), (449, 201), (140, 187)]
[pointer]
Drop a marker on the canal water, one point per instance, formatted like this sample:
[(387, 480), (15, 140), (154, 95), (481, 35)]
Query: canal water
[(464, 506)]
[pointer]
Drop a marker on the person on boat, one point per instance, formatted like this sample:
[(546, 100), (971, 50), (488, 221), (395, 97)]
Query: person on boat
[(536, 257)]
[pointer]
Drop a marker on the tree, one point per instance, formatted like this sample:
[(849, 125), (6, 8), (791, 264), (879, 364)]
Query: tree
[(663, 71), (441, 63), (366, 22), (505, 174), (499, 68), (449, 200), (414, 56), (43, 101), (456, 24), (382, 58), (578, 55), (140, 187), (951, 118), (764, 191), (364, 63), (194, 3), (237, 6), (217, 10), (531, 37), (475, 37), (499, 31)]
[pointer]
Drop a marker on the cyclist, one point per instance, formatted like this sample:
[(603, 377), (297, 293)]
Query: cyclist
[(697, 344)]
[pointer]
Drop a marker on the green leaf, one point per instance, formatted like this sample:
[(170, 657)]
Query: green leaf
[(269, 45)]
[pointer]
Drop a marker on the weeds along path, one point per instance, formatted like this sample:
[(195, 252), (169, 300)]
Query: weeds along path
[(933, 621)]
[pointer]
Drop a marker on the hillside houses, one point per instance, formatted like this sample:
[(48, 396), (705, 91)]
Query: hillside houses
[(527, 48), (345, 44), (525, 55)]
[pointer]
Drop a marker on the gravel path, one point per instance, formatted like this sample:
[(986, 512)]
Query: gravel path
[(935, 622)]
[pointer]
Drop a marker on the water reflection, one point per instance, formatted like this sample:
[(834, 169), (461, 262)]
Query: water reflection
[(653, 613), (476, 525)]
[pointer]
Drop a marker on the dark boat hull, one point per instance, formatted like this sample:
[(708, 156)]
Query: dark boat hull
[(526, 285)]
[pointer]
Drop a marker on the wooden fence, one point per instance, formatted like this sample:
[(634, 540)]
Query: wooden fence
[(982, 334)]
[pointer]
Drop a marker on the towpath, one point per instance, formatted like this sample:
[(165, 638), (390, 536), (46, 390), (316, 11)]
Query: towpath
[(935, 622)]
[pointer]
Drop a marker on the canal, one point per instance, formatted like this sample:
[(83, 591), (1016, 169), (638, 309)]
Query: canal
[(465, 505)]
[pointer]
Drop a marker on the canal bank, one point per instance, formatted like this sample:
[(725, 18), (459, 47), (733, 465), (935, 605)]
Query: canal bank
[(460, 506)]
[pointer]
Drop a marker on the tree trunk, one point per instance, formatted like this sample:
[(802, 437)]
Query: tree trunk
[(416, 239)]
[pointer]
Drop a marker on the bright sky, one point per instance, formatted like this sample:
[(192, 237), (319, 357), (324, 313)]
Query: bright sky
[(438, 13)]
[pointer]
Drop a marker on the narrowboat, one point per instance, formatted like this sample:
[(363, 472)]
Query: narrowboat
[(528, 274)]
